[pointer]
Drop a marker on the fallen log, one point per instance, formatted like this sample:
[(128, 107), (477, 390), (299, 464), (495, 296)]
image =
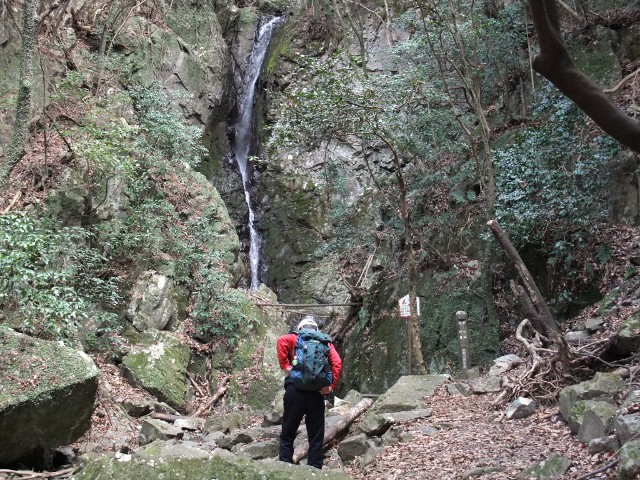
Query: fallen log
[(222, 389), (332, 433)]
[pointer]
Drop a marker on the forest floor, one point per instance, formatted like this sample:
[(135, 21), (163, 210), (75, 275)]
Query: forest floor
[(474, 436)]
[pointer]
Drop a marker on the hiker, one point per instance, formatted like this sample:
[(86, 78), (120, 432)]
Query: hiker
[(313, 367)]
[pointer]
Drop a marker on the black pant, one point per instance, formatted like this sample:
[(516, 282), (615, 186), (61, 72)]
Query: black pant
[(298, 404)]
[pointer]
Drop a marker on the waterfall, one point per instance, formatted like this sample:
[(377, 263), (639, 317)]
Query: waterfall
[(243, 134)]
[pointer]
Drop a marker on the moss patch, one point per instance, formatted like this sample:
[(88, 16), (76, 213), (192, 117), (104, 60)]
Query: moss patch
[(145, 467), (31, 367), (160, 369)]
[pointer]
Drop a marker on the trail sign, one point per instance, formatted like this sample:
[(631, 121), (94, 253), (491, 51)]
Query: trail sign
[(403, 306)]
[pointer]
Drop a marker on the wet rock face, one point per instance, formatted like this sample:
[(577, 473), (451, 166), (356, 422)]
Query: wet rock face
[(45, 401)]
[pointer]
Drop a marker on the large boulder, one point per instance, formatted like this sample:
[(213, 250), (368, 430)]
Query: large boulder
[(152, 305), (161, 369), (603, 387), (144, 467), (408, 393), (47, 395), (629, 467), (627, 339)]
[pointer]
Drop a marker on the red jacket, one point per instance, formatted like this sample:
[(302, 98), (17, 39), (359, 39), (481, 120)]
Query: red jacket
[(286, 347)]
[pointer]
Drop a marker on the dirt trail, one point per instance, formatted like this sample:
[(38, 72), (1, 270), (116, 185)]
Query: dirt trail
[(472, 435)]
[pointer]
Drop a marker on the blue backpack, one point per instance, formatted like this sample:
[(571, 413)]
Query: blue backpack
[(310, 365)]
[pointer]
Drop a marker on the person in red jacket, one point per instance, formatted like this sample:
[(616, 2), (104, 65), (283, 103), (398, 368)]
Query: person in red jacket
[(304, 403)]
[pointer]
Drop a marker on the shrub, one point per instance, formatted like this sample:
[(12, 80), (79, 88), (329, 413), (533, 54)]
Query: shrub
[(51, 282)]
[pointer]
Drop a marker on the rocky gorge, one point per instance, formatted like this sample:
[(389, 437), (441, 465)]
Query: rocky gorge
[(129, 230)]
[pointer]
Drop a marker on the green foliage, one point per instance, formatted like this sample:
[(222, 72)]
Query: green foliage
[(218, 310), (471, 51), (162, 227), (550, 184), (165, 129), (51, 282), (339, 99)]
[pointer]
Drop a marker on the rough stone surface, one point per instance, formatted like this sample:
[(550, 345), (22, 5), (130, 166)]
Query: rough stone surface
[(594, 325), (604, 444), (174, 449), (629, 466), (521, 408), (260, 450), (603, 386), (375, 424), (627, 427), (577, 336), (353, 447), (597, 420), (407, 393), (627, 338), (227, 422), (401, 417), (153, 429), (486, 385), (218, 465), (504, 364), (37, 416), (553, 467), (160, 369), (152, 305)]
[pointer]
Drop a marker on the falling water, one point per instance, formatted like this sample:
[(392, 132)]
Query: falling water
[(243, 133)]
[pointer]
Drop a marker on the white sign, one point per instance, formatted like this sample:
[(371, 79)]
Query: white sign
[(403, 305)]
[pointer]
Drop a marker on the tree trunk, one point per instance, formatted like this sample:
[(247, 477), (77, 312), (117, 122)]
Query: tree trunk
[(332, 433), (554, 63), (535, 300), (538, 303), (416, 357), (25, 87)]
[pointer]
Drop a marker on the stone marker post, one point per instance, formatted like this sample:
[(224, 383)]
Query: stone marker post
[(463, 340)]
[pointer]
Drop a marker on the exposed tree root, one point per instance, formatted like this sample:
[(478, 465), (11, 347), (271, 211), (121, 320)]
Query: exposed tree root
[(545, 374)]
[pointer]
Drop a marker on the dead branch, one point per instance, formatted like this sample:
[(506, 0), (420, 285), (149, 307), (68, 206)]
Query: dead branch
[(16, 197), (606, 466), (195, 385), (222, 389), (572, 13), (622, 82), (537, 301), (26, 474), (167, 417)]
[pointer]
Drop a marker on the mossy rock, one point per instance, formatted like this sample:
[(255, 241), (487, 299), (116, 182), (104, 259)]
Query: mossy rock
[(160, 369), (594, 56), (627, 338), (375, 363), (553, 467), (47, 395), (225, 467), (629, 467)]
